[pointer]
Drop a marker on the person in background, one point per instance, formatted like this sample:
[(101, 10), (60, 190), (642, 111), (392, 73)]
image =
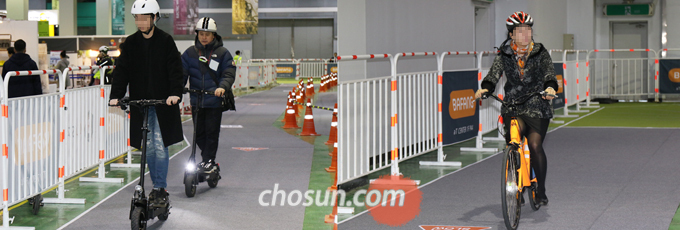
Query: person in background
[(62, 65), (332, 60), (103, 60), (10, 52), (23, 85), (237, 58)]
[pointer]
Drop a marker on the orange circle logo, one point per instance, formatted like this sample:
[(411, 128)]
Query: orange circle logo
[(560, 83), (674, 75), (284, 69), (393, 200), (462, 103)]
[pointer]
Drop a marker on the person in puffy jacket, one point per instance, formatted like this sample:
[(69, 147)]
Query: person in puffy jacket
[(208, 66), (21, 86)]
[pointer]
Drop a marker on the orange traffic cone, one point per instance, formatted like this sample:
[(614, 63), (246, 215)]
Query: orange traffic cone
[(334, 159), (295, 108), (331, 218), (299, 100), (303, 98), (310, 87), (321, 87), (326, 84), (288, 104), (333, 136), (335, 150), (330, 81), (293, 98), (291, 122), (335, 80), (308, 127)]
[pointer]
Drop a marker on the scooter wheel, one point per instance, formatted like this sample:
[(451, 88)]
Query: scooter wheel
[(138, 220), (190, 184), (213, 181), (165, 215)]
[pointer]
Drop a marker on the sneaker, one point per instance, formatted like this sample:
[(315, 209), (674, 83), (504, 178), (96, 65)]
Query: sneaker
[(209, 166), (160, 196), (153, 194)]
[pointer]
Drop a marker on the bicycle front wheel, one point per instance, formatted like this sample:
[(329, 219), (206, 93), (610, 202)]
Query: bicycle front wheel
[(510, 194)]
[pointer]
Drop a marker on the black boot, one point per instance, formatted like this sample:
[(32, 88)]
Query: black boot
[(543, 201)]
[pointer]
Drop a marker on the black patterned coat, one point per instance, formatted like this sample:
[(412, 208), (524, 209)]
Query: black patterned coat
[(539, 74)]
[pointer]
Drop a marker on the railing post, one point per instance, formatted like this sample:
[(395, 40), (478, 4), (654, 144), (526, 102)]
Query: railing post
[(102, 132), (62, 151), (440, 130)]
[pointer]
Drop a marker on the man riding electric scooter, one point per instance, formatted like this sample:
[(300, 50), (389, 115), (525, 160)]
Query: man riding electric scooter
[(150, 65)]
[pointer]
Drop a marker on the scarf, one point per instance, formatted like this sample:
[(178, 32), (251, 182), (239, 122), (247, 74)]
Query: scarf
[(521, 55)]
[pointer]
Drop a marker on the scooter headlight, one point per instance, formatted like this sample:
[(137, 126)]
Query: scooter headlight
[(191, 168)]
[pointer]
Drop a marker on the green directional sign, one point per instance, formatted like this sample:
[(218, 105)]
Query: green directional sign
[(629, 10)]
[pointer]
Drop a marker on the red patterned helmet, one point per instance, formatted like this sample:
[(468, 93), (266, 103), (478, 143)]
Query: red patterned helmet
[(517, 19)]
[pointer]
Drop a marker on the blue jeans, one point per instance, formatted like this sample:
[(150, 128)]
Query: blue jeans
[(156, 153)]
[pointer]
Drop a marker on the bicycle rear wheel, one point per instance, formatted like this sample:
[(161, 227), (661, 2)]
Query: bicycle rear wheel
[(510, 195)]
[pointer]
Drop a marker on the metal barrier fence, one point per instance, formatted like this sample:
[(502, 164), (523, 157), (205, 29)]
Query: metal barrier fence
[(305, 68), (365, 145), (256, 72), (48, 138), (312, 68), (111, 142), (489, 110), (28, 141), (624, 78), (364, 148), (417, 96)]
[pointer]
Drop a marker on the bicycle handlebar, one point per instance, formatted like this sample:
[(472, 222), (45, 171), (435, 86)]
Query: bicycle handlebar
[(187, 90), (524, 99)]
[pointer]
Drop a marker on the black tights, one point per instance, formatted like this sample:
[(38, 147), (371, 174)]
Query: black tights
[(534, 129)]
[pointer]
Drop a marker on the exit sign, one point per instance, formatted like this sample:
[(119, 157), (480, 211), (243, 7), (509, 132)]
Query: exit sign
[(629, 10)]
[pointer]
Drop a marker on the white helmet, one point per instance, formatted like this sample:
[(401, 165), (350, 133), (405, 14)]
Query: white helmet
[(145, 7), (104, 49), (206, 24)]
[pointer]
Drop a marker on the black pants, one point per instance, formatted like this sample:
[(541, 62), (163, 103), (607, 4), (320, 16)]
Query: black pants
[(207, 123), (534, 129)]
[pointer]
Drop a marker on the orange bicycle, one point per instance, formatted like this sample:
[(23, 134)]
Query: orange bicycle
[(517, 173)]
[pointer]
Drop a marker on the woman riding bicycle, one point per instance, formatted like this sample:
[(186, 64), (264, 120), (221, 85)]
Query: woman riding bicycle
[(528, 69)]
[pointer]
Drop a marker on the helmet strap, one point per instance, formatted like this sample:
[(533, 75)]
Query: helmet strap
[(149, 30)]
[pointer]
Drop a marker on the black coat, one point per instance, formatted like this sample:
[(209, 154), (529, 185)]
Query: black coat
[(22, 85), (155, 73), (201, 77), (539, 74)]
